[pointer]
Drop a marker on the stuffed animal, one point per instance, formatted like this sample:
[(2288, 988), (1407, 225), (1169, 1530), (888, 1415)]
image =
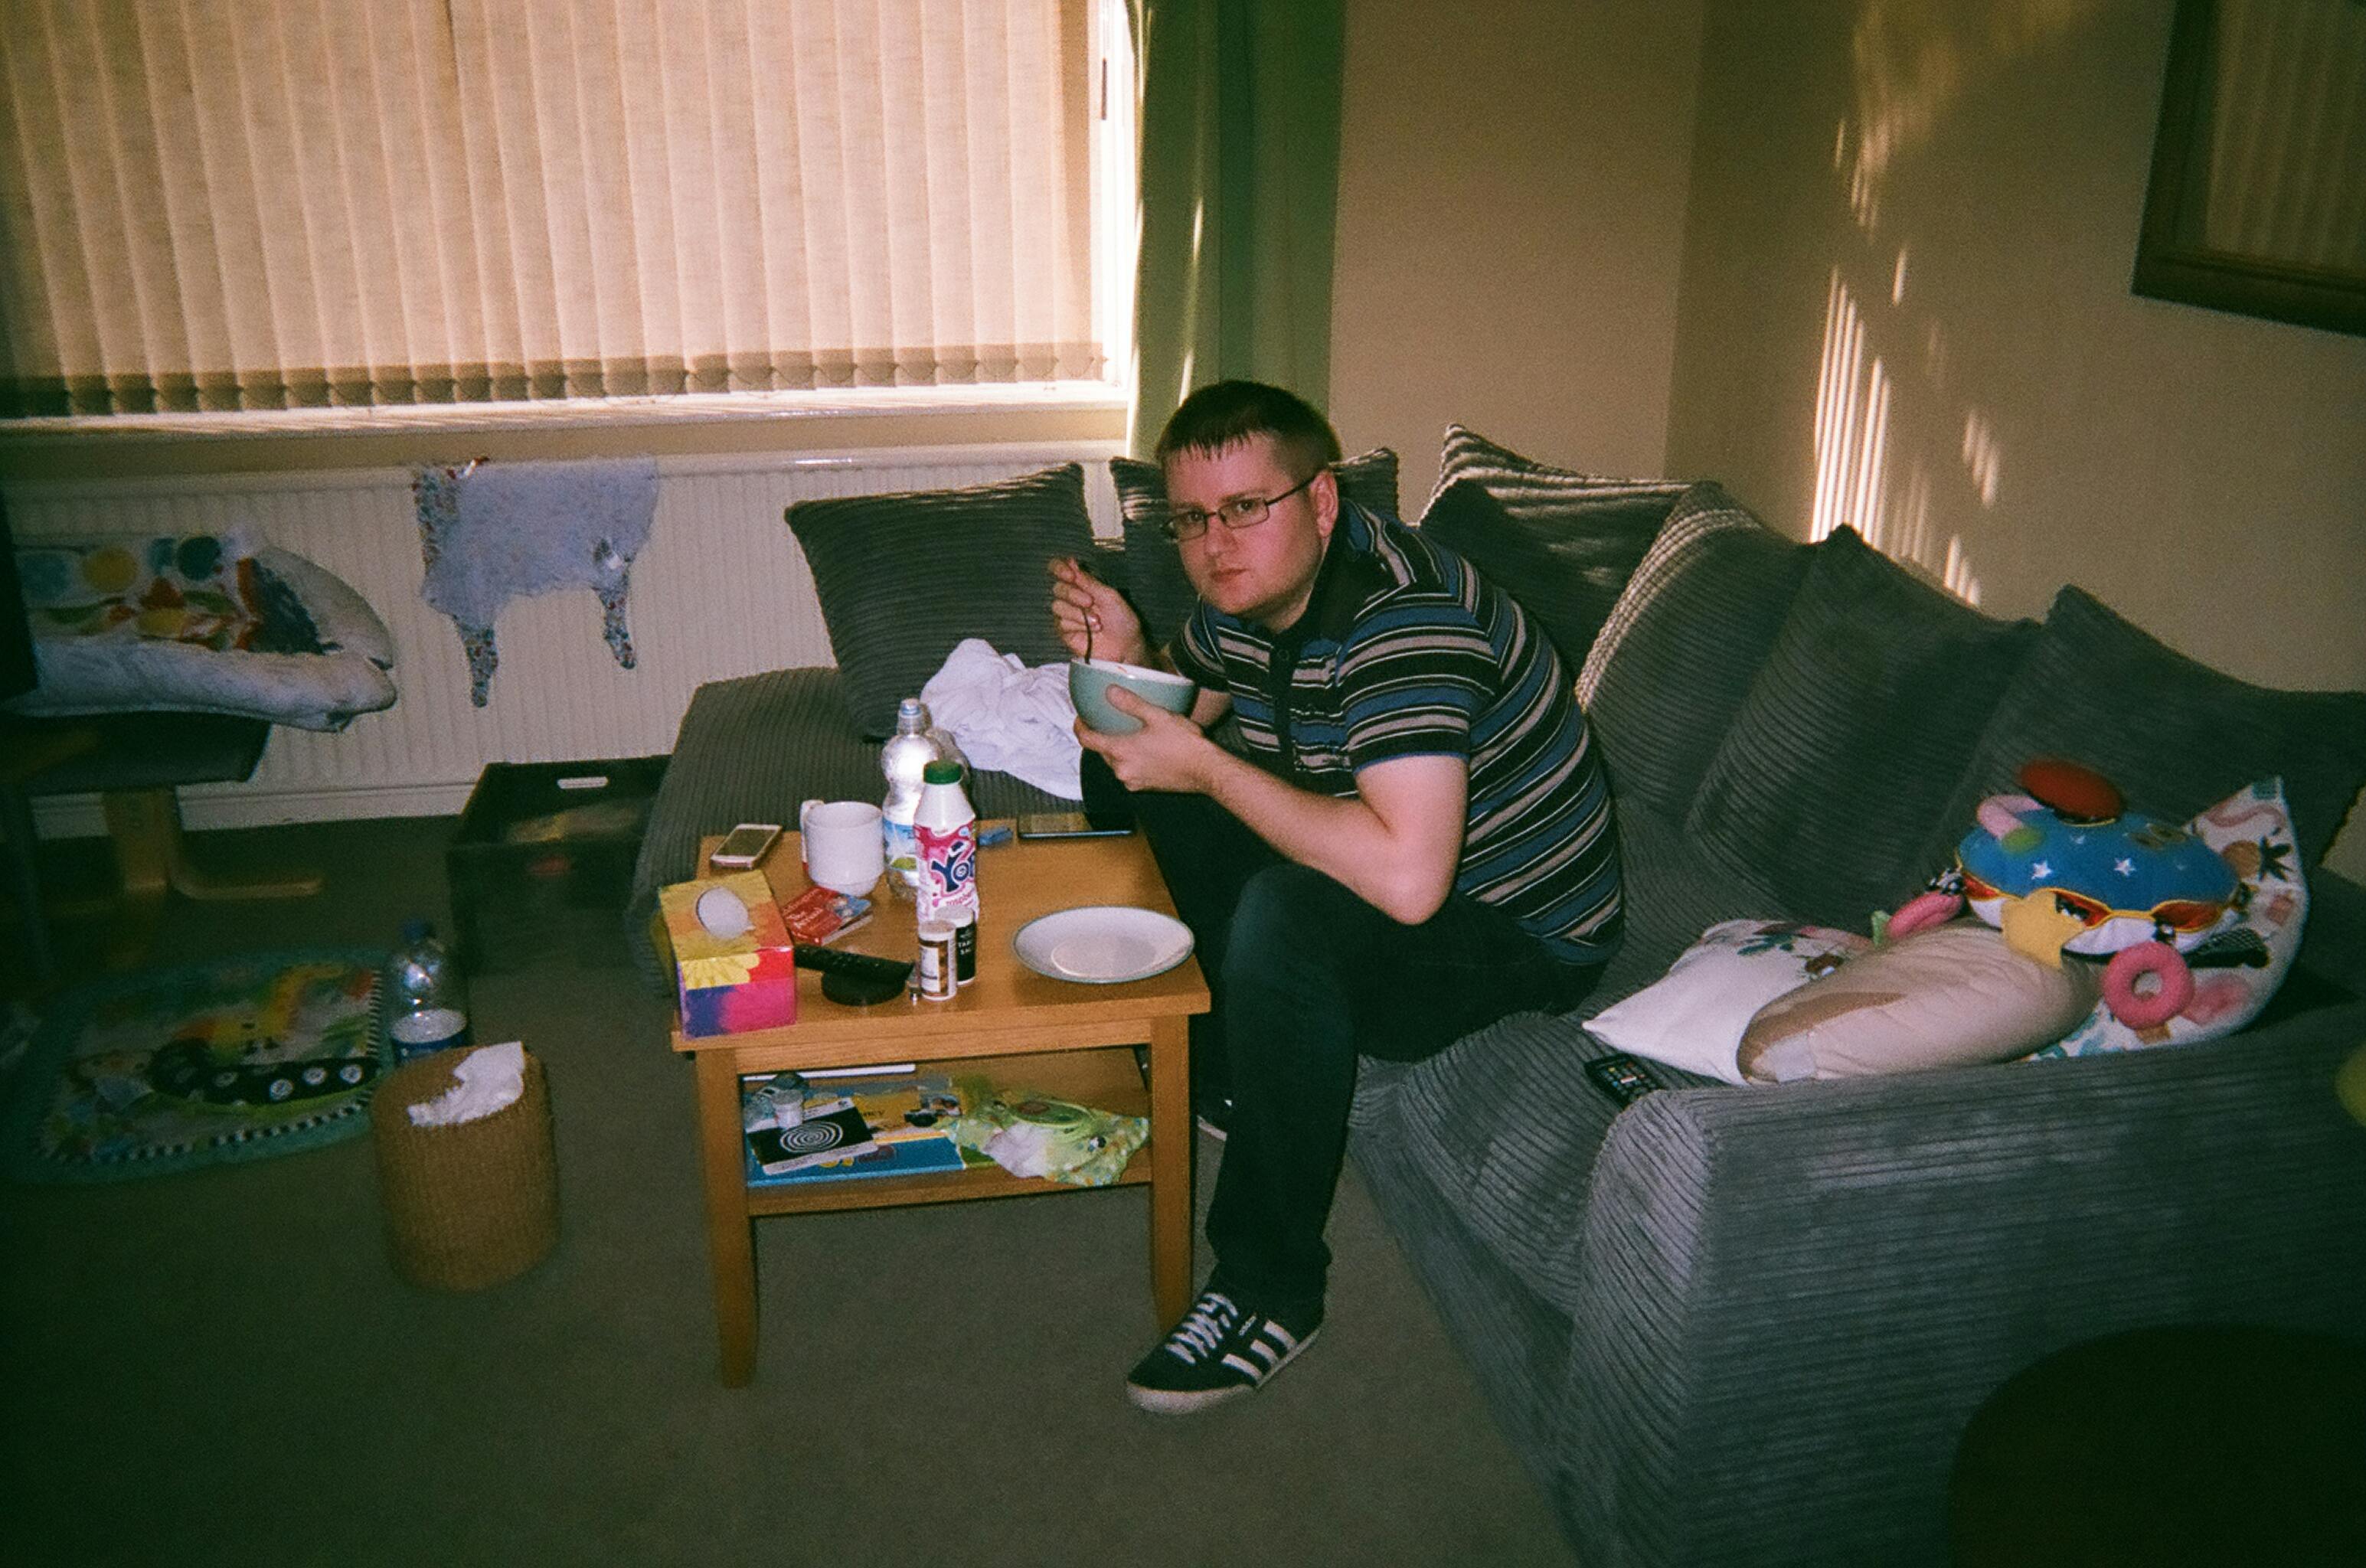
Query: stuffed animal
[(2065, 868)]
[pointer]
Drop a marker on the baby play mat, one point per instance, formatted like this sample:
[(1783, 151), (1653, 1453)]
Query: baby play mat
[(235, 1059)]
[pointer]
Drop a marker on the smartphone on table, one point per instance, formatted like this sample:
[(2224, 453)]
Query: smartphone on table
[(1068, 825), (744, 846)]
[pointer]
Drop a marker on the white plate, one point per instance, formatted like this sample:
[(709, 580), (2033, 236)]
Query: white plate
[(1102, 945)]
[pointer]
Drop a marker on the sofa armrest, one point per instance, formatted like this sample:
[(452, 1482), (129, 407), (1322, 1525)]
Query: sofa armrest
[(1793, 1299)]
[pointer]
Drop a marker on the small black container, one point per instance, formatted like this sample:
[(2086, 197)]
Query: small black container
[(543, 862)]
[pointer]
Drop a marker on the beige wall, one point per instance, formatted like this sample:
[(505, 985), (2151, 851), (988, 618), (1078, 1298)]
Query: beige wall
[(1510, 203), (2203, 473)]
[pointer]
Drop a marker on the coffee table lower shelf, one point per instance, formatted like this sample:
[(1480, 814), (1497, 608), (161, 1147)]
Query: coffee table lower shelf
[(1013, 1027), (1105, 1075), (1107, 1080)]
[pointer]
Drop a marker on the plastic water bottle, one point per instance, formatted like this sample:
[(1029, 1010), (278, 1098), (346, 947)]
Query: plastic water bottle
[(944, 833), (905, 759), (427, 1004)]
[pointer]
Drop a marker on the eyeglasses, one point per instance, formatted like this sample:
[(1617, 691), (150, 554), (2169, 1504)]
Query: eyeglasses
[(1246, 512)]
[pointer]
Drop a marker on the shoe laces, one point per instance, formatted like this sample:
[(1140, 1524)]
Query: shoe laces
[(1204, 1329)]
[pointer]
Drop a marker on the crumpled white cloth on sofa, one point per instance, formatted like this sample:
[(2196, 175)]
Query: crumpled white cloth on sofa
[(1007, 716)]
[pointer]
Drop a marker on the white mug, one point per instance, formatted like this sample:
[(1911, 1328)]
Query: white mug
[(844, 844)]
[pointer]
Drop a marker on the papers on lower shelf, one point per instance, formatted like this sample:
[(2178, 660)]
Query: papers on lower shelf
[(905, 1125)]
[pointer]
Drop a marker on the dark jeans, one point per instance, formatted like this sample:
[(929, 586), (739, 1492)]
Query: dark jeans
[(1305, 976)]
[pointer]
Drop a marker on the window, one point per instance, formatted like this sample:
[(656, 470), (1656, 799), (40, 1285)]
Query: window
[(230, 205), (2258, 199)]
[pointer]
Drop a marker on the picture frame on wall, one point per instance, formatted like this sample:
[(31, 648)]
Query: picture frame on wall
[(2257, 202)]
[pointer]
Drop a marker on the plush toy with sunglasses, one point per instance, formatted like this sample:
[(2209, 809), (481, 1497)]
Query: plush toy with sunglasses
[(2066, 869)]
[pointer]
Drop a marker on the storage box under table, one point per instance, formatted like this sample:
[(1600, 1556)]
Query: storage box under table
[(542, 862)]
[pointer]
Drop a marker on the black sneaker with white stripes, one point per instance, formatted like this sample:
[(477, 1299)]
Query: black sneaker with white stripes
[(1218, 1350)]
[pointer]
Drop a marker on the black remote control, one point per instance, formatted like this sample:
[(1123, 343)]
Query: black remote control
[(856, 979), (1621, 1076)]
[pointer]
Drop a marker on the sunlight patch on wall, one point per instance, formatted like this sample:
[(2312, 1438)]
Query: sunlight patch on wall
[(1852, 422), (1914, 59), (1956, 573), (1982, 459), (1855, 487)]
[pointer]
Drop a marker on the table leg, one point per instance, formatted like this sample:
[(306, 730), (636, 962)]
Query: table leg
[(729, 1242), (1170, 1168)]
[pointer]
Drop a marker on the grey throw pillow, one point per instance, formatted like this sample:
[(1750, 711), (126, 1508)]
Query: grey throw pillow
[(2176, 736), (1843, 757), (1538, 492), (1150, 573), (902, 577), (1564, 561), (1674, 661)]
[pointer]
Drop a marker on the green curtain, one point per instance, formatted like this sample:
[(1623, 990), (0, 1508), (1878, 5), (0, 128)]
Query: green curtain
[(1239, 191)]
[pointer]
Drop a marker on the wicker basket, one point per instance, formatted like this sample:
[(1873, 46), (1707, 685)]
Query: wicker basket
[(471, 1204)]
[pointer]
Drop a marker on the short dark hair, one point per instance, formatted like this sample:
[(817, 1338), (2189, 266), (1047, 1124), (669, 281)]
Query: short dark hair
[(1226, 412)]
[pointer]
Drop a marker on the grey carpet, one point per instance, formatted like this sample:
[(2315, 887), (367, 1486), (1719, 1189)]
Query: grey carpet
[(222, 1367)]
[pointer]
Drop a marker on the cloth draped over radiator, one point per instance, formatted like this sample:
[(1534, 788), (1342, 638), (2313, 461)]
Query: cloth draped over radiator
[(491, 532)]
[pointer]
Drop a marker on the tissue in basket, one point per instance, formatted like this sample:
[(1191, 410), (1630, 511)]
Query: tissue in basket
[(485, 1080), (471, 1203)]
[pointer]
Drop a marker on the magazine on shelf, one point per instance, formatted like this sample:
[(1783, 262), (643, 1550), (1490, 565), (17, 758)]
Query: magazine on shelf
[(823, 1137), (907, 1126)]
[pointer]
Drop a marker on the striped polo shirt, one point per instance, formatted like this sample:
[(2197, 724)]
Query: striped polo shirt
[(1405, 651)]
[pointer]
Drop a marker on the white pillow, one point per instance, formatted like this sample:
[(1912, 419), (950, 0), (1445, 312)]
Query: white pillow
[(1948, 997), (1693, 1018), (2251, 829)]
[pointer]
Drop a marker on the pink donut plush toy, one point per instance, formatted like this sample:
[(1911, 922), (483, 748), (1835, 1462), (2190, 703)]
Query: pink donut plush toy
[(2066, 869)]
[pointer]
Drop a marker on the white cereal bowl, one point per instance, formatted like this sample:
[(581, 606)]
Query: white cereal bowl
[(1090, 678)]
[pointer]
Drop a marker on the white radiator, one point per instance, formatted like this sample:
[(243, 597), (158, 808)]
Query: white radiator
[(720, 589)]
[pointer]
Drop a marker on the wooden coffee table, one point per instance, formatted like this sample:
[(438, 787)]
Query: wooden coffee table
[(1011, 1024)]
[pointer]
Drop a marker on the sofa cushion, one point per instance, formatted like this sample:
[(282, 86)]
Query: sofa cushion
[(1674, 661), (1848, 746), (1564, 564), (902, 577), (1150, 573), (2173, 733), (1535, 492), (1670, 892)]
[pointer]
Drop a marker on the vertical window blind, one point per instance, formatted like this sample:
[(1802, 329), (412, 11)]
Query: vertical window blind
[(222, 205), (2287, 151)]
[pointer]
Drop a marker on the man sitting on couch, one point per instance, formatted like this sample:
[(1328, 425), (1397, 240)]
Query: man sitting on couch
[(1417, 842)]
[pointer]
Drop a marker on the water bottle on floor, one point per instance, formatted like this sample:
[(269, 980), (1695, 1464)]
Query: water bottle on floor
[(427, 1005)]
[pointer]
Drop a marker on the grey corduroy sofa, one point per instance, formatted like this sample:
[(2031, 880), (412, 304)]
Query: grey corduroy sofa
[(1748, 1324)]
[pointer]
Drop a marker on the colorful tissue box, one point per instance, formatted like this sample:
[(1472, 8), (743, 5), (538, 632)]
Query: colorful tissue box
[(730, 981)]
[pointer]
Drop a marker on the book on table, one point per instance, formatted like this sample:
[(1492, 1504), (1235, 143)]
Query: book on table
[(819, 915)]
